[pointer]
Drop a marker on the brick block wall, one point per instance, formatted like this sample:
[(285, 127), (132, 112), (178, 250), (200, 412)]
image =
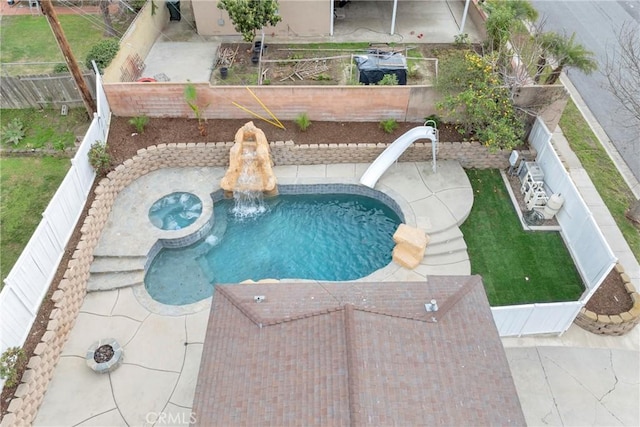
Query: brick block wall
[(321, 103), (72, 289)]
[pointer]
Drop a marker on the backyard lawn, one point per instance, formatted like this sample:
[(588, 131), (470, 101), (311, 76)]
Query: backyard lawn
[(29, 39), (26, 187), (517, 266), (47, 128)]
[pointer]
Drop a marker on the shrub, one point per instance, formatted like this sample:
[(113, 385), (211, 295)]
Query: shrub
[(60, 68), (103, 53), (461, 40), (10, 361), (99, 158), (389, 125), (303, 121), (433, 118), (191, 98), (139, 123), (13, 132), (388, 80), (477, 100)]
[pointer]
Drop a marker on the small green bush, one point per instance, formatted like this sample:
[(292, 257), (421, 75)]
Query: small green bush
[(10, 361), (99, 158), (389, 125), (13, 132), (303, 121), (103, 53), (461, 40), (388, 80), (139, 123), (434, 118), (60, 68)]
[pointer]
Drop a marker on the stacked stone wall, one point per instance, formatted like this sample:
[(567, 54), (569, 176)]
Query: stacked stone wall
[(72, 289), (615, 324)]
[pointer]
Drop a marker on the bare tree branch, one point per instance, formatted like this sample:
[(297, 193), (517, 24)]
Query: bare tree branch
[(622, 70)]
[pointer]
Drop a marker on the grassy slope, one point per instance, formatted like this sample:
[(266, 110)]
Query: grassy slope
[(606, 178), (517, 267), (29, 39), (26, 187)]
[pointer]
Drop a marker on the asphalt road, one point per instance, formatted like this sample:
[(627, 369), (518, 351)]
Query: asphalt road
[(596, 24)]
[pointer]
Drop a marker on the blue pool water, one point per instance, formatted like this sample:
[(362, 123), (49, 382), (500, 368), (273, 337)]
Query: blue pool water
[(175, 211), (332, 237)]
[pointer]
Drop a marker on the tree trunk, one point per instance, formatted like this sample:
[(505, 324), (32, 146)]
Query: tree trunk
[(633, 213), (542, 62), (104, 9), (554, 76)]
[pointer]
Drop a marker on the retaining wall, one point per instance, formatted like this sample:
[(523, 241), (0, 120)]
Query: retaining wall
[(72, 289), (615, 324)]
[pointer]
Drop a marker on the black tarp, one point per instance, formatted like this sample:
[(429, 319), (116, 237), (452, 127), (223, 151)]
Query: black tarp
[(373, 66)]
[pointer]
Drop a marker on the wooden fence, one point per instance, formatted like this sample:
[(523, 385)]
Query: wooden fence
[(40, 91)]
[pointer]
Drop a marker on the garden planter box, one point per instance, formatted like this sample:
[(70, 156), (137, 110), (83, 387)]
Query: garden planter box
[(612, 324)]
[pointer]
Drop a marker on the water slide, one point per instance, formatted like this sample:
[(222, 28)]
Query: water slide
[(395, 150)]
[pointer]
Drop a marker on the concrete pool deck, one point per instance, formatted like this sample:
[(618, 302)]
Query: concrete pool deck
[(575, 379)]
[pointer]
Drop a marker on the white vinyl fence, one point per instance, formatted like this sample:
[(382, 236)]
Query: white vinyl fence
[(590, 251), (28, 281)]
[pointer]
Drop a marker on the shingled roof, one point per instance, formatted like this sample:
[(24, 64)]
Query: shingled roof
[(354, 354)]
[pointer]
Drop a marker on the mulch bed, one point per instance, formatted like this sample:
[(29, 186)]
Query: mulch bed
[(611, 297)]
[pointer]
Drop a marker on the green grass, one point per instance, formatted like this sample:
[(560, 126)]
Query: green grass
[(29, 39), (606, 178), (47, 128), (26, 187), (517, 267)]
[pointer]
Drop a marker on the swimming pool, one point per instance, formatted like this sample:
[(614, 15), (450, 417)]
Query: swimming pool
[(326, 236)]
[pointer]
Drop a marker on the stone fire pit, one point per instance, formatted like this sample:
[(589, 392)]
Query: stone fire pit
[(104, 356)]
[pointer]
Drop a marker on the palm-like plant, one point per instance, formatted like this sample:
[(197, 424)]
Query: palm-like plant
[(568, 53)]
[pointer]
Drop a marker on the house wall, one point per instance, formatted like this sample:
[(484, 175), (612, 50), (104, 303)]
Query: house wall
[(300, 18), (136, 44)]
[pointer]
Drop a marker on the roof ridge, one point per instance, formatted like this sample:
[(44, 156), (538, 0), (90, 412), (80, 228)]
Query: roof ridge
[(450, 302), (303, 315), (447, 305), (260, 321), (353, 377), (235, 301)]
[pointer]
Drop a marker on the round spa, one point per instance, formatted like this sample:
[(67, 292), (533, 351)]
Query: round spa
[(175, 211)]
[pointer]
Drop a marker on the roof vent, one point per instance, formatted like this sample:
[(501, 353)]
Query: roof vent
[(431, 306), (259, 298)]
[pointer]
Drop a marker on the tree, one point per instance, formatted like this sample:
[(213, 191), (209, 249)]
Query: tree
[(622, 70), (503, 18), (476, 99), (248, 16), (567, 53), (109, 31)]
